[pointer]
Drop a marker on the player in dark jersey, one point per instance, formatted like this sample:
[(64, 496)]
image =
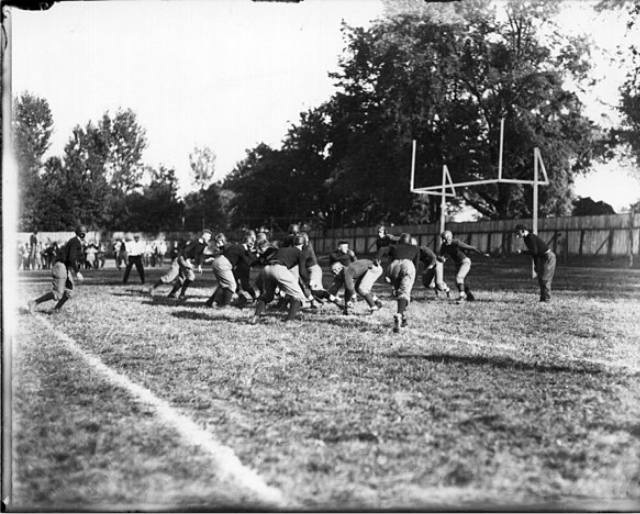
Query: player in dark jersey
[(339, 260), (544, 260), (63, 272), (264, 251), (228, 258), (294, 230), (454, 249), (277, 274), (384, 238), (404, 258), (242, 271)]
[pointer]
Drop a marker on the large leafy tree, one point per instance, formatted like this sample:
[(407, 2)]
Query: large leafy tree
[(32, 129), (124, 142), (445, 76), (629, 133), (157, 207), (448, 85), (84, 179), (589, 207), (263, 186), (60, 207), (205, 209), (101, 167)]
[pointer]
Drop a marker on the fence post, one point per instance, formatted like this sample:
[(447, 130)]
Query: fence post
[(610, 246), (631, 219)]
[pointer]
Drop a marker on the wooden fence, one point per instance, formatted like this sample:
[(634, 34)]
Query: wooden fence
[(615, 235)]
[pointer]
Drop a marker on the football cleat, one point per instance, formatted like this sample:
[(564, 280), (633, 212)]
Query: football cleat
[(397, 323), (32, 307)]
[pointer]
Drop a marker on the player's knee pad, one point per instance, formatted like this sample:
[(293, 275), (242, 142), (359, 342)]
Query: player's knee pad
[(69, 293)]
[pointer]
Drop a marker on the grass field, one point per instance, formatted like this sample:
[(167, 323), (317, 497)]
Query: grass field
[(503, 403)]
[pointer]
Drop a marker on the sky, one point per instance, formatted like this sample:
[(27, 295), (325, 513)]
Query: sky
[(223, 74), (227, 74)]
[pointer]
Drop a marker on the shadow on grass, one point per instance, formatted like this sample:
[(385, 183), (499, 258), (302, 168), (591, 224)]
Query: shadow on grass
[(210, 314), (131, 292), (501, 363), (164, 302)]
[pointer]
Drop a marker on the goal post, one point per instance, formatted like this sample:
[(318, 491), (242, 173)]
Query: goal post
[(447, 187)]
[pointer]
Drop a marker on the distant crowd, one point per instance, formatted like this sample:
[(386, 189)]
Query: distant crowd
[(39, 255)]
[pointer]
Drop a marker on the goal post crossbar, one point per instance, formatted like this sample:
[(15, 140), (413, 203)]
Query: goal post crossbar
[(449, 185)]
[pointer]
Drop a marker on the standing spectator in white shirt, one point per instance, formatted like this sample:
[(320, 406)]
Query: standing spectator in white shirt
[(135, 252)]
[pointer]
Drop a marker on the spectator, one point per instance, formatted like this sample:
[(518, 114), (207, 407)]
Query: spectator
[(33, 249), (121, 256), (135, 252), (101, 258), (148, 254), (23, 256), (91, 250), (161, 251), (50, 254)]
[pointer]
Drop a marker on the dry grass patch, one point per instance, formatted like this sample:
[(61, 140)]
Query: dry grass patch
[(501, 401)]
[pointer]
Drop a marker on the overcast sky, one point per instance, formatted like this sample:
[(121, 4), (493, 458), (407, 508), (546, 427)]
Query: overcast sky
[(227, 74), (224, 74)]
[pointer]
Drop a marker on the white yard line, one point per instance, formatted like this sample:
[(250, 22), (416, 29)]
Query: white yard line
[(228, 466), (565, 358)]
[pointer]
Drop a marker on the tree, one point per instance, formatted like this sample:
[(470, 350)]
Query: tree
[(630, 92), (449, 85), (59, 208), (157, 208), (124, 141), (204, 209), (203, 166), (259, 187), (446, 82), (627, 136), (32, 129), (589, 207), (84, 179), (100, 168)]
